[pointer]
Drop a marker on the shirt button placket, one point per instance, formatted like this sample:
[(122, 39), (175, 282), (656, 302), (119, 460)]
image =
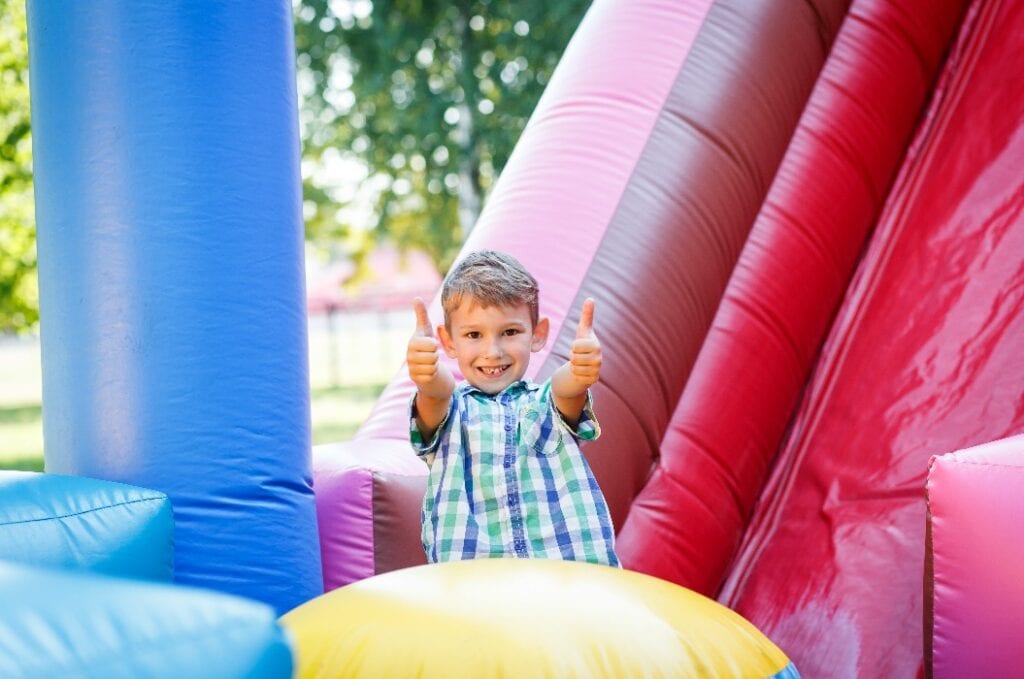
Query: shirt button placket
[(518, 539)]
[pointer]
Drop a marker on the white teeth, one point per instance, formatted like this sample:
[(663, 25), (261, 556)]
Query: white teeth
[(493, 372)]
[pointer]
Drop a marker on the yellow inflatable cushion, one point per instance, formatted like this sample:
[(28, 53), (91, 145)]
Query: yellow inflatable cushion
[(525, 618)]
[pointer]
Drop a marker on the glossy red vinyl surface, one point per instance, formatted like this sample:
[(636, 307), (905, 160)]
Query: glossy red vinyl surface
[(680, 224), (687, 523), (925, 357)]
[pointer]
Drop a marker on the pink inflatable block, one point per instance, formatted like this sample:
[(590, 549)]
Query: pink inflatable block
[(367, 502), (974, 563)]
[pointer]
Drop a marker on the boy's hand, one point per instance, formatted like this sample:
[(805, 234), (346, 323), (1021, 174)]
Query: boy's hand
[(423, 358), (585, 355), (569, 384)]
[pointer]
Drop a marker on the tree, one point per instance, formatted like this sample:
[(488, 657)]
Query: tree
[(428, 97), (19, 297)]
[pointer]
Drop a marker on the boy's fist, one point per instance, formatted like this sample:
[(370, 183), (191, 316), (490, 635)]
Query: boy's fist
[(422, 357), (585, 355)]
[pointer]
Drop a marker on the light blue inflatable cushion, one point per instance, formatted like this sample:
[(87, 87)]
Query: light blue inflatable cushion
[(77, 522), (62, 623)]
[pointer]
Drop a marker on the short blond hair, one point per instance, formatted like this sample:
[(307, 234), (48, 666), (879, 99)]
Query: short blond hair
[(490, 278)]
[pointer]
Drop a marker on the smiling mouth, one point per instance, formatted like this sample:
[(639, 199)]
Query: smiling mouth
[(496, 371)]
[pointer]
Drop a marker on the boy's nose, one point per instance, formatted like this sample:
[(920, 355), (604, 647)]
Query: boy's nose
[(492, 349)]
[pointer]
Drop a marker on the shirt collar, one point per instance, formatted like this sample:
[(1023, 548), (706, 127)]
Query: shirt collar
[(512, 389)]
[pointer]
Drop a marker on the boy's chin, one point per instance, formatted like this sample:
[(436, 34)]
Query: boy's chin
[(492, 387), (489, 388)]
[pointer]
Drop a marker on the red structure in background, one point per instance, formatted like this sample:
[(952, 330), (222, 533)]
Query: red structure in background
[(924, 358), (785, 291), (395, 279)]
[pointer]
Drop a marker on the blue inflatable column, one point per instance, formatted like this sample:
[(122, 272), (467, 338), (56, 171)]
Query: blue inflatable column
[(168, 204)]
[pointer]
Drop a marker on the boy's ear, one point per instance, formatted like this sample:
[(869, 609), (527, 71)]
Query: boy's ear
[(540, 334), (446, 341)]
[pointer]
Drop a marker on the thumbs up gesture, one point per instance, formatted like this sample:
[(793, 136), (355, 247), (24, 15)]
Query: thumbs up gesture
[(585, 354), (432, 379), (569, 384)]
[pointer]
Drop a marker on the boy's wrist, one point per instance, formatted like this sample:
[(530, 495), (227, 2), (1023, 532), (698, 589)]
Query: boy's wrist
[(564, 385), (428, 399), (440, 388), (571, 391)]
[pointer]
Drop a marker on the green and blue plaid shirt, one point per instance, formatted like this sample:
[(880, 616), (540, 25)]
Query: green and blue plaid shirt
[(508, 479)]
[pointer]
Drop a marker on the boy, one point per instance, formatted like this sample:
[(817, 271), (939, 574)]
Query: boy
[(507, 478)]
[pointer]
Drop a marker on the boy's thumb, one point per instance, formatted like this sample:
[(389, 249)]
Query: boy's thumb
[(422, 320), (586, 326)]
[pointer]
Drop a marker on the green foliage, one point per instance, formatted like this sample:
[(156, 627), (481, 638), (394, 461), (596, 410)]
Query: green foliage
[(431, 96), (19, 297)]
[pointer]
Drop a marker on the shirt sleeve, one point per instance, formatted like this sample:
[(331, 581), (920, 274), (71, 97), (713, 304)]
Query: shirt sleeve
[(588, 428), (420, 447)]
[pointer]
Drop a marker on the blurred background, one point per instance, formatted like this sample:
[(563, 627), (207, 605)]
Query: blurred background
[(408, 112)]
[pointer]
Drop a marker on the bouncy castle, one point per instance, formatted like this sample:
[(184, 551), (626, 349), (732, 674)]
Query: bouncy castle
[(802, 224)]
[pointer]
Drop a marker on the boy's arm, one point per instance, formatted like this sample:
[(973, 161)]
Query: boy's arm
[(434, 381), (570, 383), (430, 414)]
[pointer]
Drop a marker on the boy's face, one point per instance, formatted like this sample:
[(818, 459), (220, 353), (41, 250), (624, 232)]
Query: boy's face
[(492, 344)]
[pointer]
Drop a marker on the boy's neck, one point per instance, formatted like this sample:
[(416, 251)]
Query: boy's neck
[(523, 383)]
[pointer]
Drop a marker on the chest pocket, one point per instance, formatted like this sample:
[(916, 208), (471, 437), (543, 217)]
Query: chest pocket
[(539, 432)]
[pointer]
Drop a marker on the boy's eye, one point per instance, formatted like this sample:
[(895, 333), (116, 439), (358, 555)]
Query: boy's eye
[(511, 331), (473, 334)]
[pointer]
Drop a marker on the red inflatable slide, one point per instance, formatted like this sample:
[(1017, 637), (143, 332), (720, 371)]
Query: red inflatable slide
[(803, 226)]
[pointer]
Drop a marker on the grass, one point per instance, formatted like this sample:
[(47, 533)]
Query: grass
[(348, 368), (338, 411), (21, 430)]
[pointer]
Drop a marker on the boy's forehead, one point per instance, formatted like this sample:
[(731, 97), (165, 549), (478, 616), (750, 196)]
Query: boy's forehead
[(472, 310)]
